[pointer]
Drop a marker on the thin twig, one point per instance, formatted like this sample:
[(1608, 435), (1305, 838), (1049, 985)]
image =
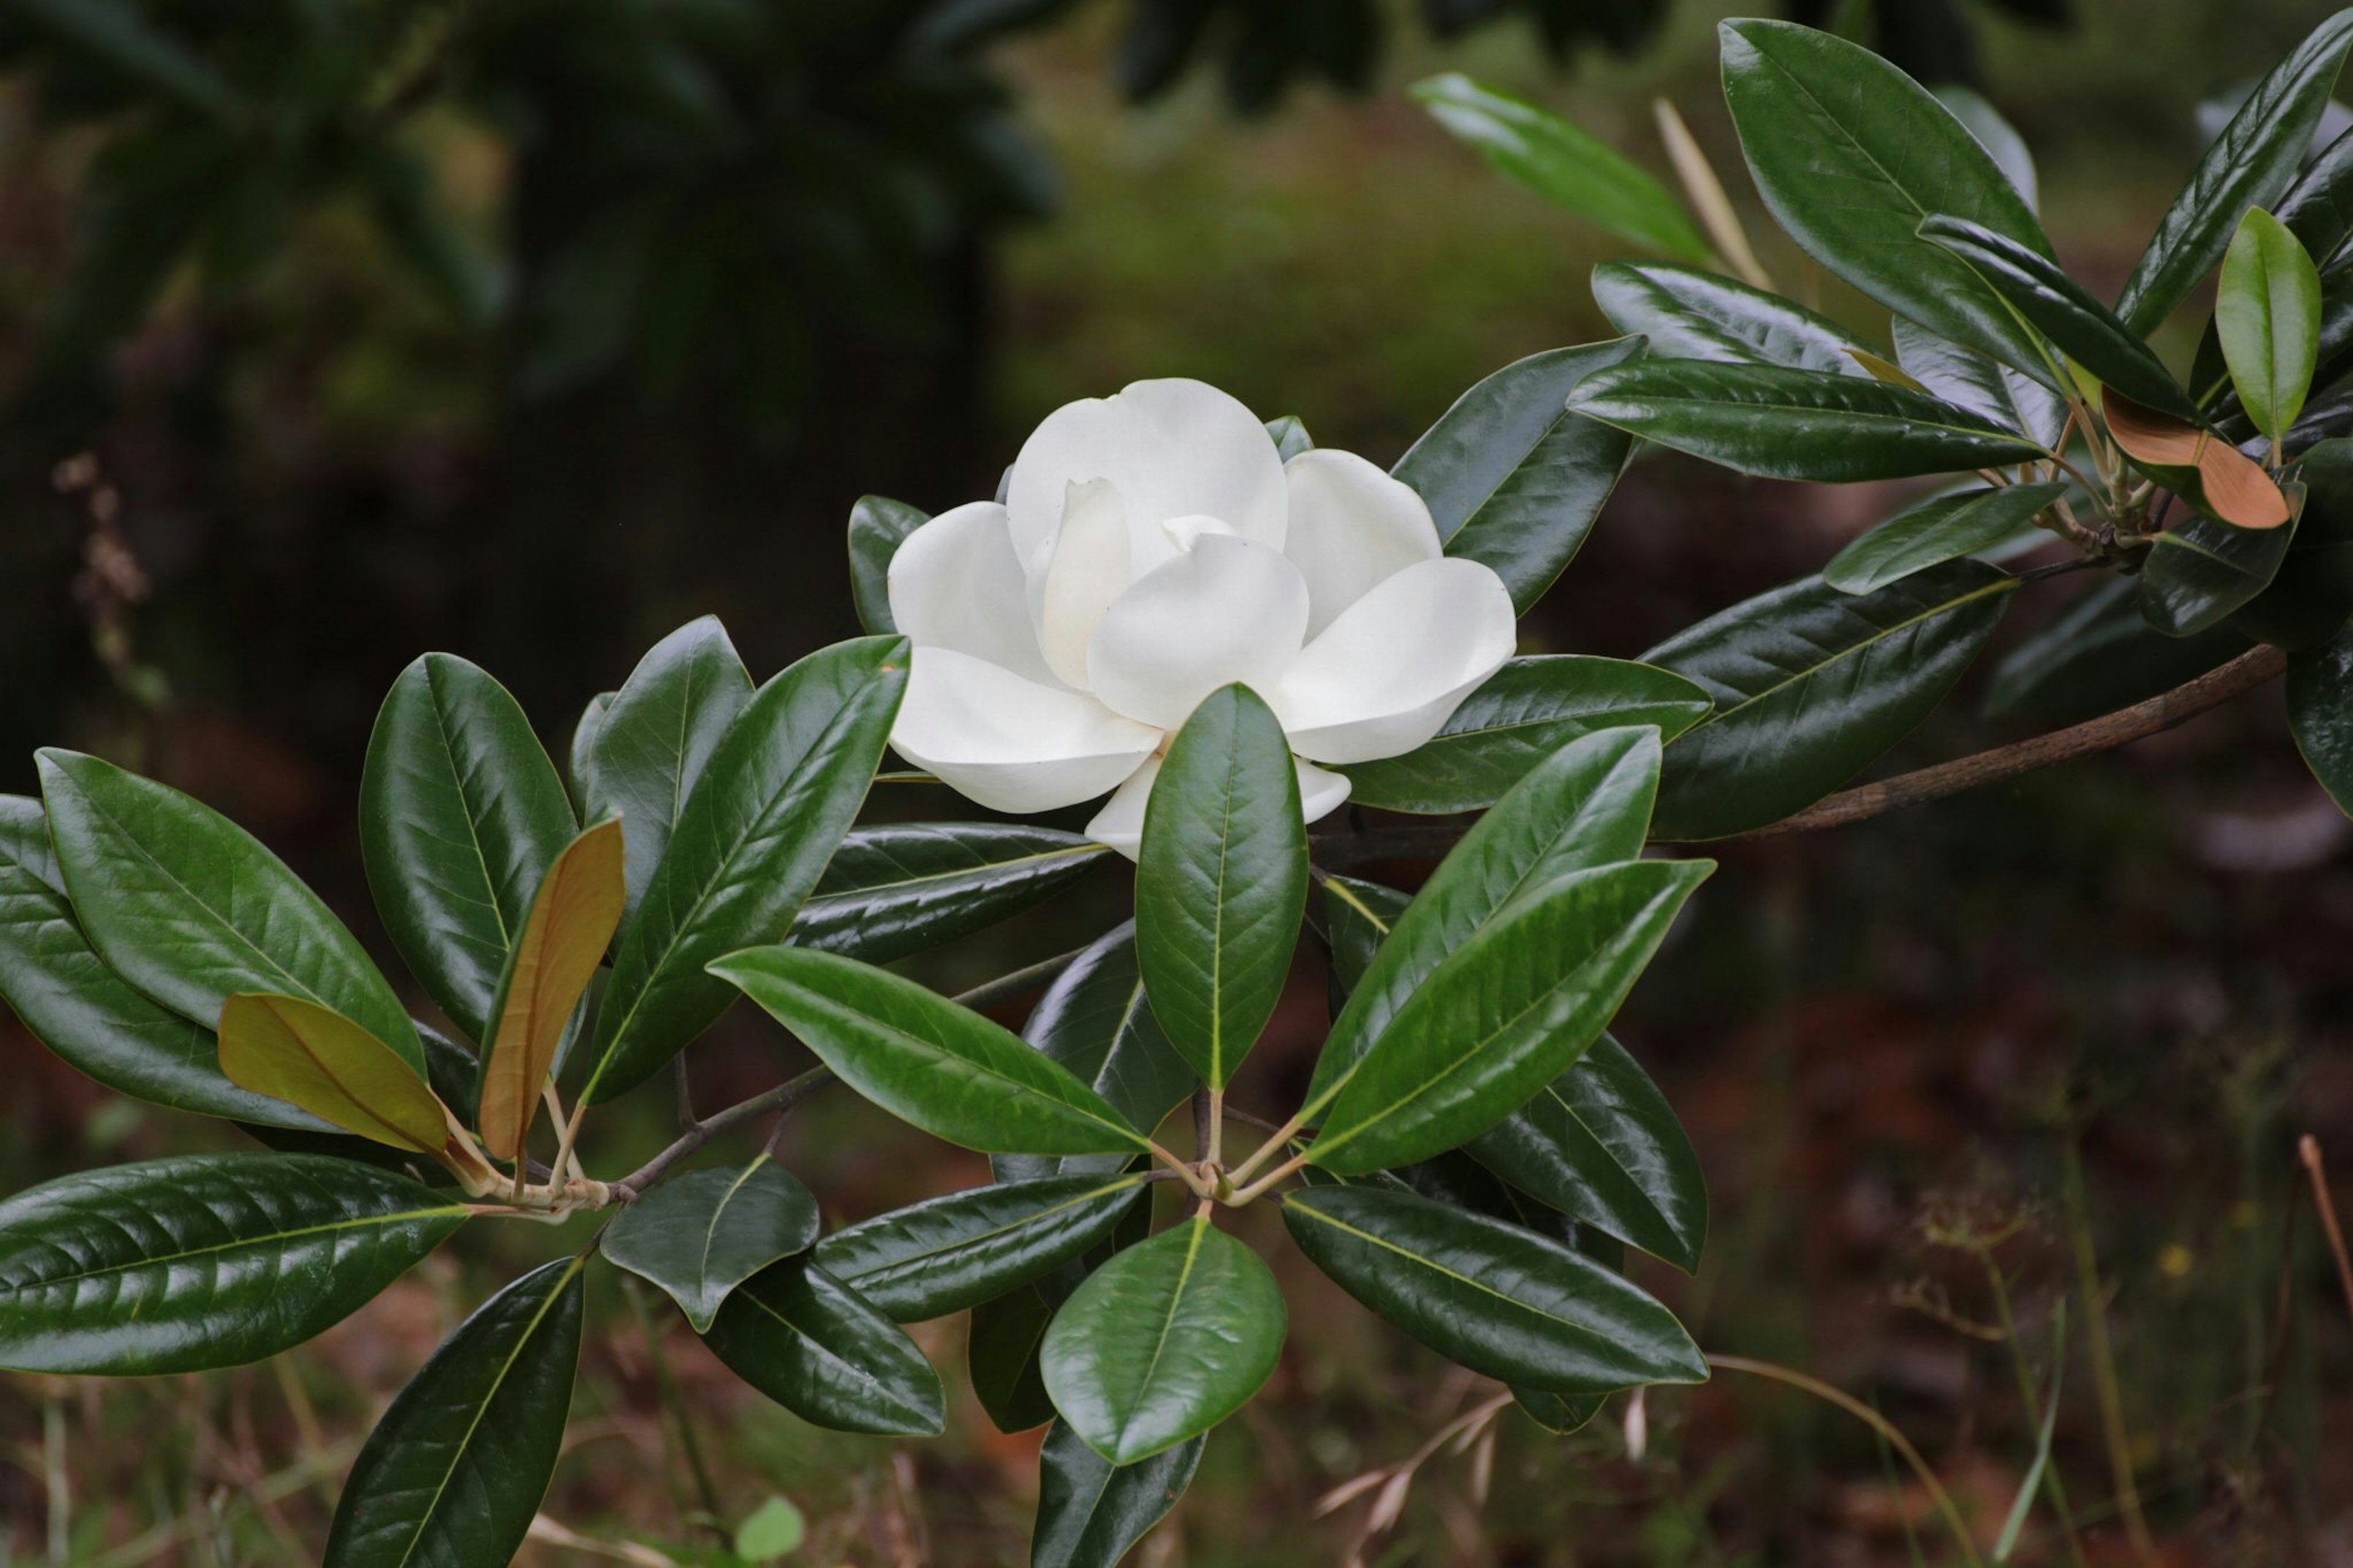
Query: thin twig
[(2308, 1149), (792, 1091), (1004, 987)]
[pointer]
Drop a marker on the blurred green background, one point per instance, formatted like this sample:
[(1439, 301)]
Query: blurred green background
[(529, 331)]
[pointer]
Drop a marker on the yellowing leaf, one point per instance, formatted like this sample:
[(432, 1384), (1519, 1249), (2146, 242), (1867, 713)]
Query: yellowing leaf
[(313, 1056), (572, 921), (2205, 470)]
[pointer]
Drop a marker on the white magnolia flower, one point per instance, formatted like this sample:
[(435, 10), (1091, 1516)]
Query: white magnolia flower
[(1152, 547)]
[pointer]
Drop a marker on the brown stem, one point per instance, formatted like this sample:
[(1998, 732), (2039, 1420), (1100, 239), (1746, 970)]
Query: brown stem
[(788, 1093), (2308, 1149)]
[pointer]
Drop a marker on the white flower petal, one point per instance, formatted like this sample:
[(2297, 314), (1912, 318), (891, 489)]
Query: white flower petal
[(1351, 526), (1009, 743), (1226, 610), (1173, 447), (1385, 675), (956, 583), (1087, 570), (1120, 823)]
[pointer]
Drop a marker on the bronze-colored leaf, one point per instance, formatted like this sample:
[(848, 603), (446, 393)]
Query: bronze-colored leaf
[(572, 920), (297, 1051), (2200, 465)]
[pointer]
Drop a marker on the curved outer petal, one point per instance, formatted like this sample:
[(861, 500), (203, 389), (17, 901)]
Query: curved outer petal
[(1396, 663), (1351, 526), (956, 583), (1173, 447), (1120, 823), (1087, 569), (1009, 743), (1226, 610)]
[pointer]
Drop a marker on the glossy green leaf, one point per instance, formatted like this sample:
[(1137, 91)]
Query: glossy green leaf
[(2063, 311), (810, 1343), (942, 1067), (2100, 656), (1358, 917), (1970, 380), (316, 1059), (1221, 881), (1091, 1512), (896, 888), (2320, 714), (774, 802), (1691, 312), (2199, 571), (190, 909), (1001, 1352), (1941, 529), (1498, 1300), (1290, 436), (461, 814), (2250, 165), (1558, 1413), (2001, 140), (1526, 710), (878, 526), (455, 1471), (202, 1260), (1508, 1012), (1600, 1143), (1588, 804), (1812, 685), (1565, 164), (583, 754), (654, 738), (1795, 424), (2312, 593), (73, 1003), (949, 1253), (1850, 154), (2318, 207), (1512, 478), (701, 1235), (1164, 1341), (2267, 320)]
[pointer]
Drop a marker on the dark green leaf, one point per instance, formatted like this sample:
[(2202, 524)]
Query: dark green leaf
[(1508, 1012), (1164, 1341), (2250, 165), (701, 1235), (2098, 656), (899, 887), (927, 1061), (2318, 207), (455, 1471), (1796, 424), (1967, 379), (1690, 312), (202, 1260), (583, 745), (1997, 137), (115, 35), (653, 740), (810, 1343), (2320, 713), (1515, 481), (2312, 593), (1499, 1300), (1812, 685), (1528, 711), (1850, 154), (1600, 1143), (1564, 163), (774, 799), (461, 814), (878, 526), (1091, 1512), (2063, 311), (1360, 916), (2267, 321), (1221, 881), (950, 1253), (1941, 529), (1588, 804), (1001, 1351), (2200, 570), (73, 1003), (190, 909)]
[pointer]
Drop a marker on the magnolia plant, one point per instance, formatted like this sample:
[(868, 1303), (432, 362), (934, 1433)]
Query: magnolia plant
[(1227, 631)]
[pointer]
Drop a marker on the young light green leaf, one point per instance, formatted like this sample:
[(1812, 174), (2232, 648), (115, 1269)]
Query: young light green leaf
[(1507, 1012), (1513, 479), (1221, 881), (949, 1253), (1564, 163), (2267, 318), (942, 1067), (455, 1471), (190, 909), (1091, 1512), (810, 1343), (1796, 424), (700, 1236), (878, 526), (1499, 1300), (1164, 1341), (311, 1056), (1810, 686), (1943, 527), (1691, 312), (461, 814), (775, 1528), (899, 887), (202, 1260)]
